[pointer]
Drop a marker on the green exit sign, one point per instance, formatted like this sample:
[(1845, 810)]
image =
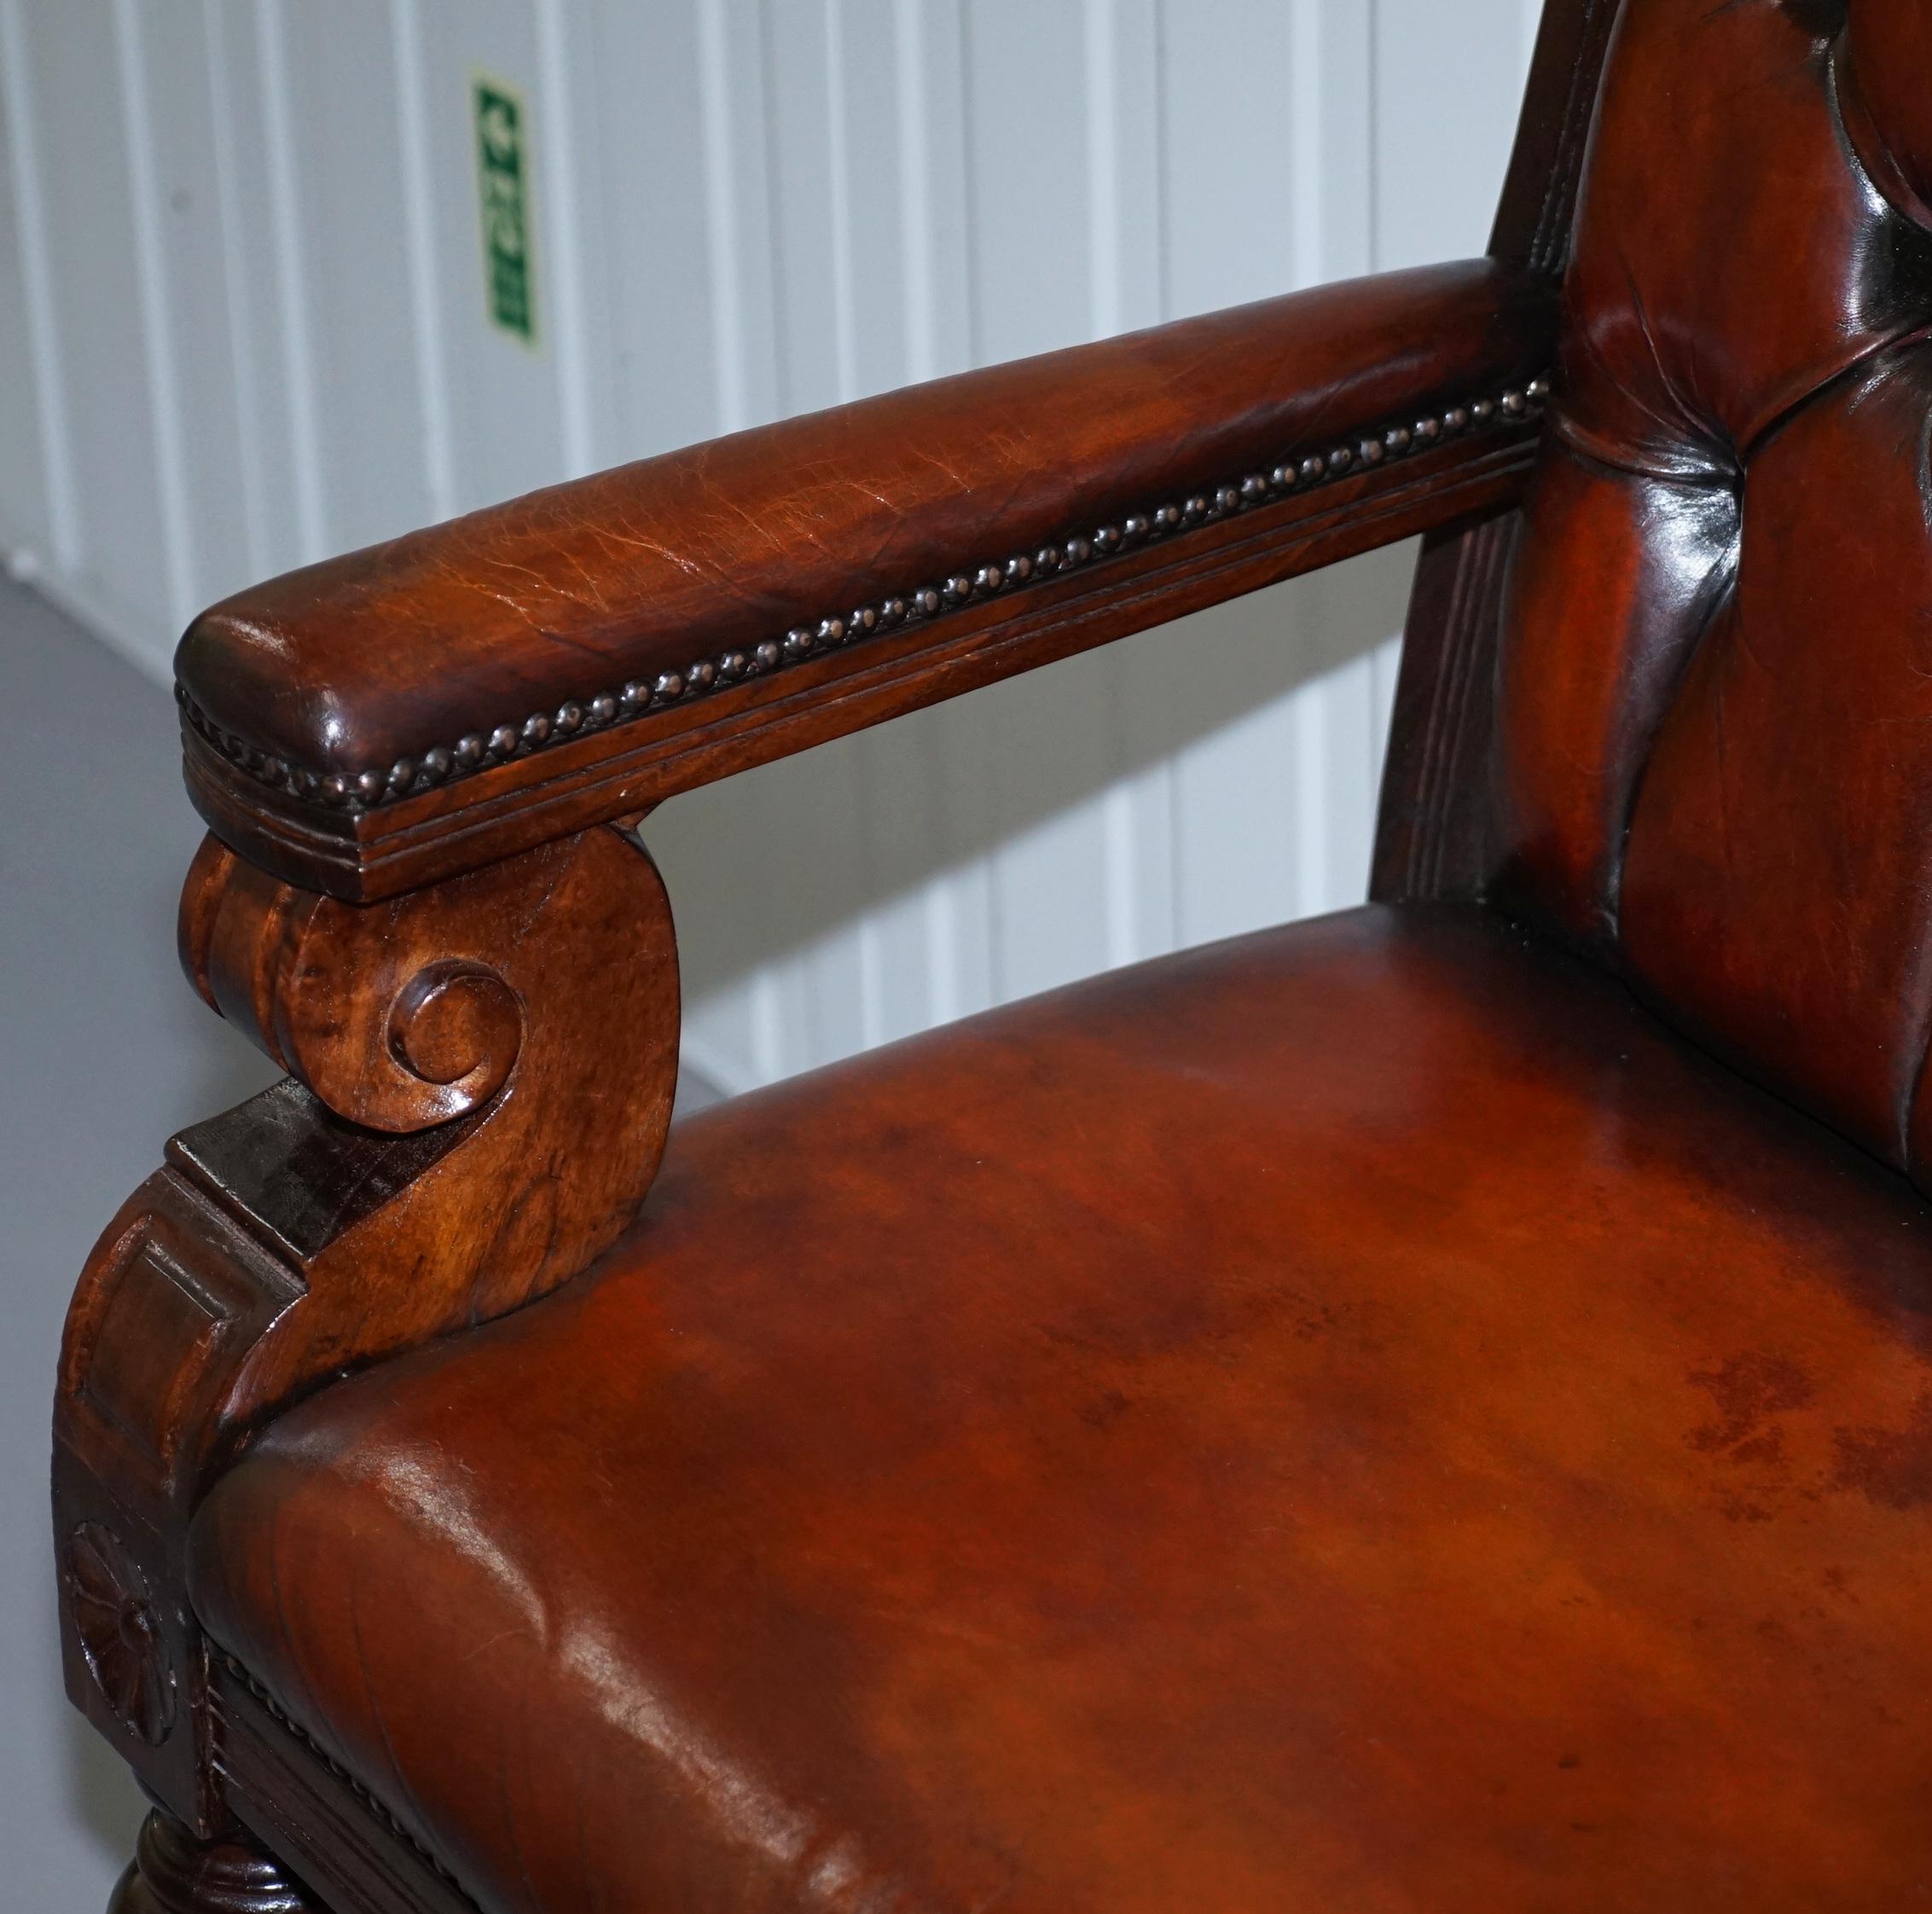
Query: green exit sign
[(503, 178)]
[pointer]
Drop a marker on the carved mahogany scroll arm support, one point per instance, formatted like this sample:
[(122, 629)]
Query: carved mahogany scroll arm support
[(481, 1076)]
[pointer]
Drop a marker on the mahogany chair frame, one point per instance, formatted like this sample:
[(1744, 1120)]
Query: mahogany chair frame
[(451, 952)]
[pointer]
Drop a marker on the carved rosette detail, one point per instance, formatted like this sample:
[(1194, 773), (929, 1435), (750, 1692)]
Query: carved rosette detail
[(119, 1631)]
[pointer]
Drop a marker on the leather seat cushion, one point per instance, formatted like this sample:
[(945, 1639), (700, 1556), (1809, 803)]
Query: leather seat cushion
[(1359, 1418)]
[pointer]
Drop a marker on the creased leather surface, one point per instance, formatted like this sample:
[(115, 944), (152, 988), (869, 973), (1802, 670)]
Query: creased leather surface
[(1359, 1418), (1886, 55), (1715, 667), (349, 664), (1778, 884)]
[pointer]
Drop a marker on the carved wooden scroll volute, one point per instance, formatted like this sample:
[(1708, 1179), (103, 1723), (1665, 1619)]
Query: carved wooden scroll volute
[(510, 1037), (480, 1081)]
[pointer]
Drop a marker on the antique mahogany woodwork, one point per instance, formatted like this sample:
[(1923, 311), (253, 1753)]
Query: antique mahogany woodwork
[(1431, 1408), (482, 1075), (172, 1873)]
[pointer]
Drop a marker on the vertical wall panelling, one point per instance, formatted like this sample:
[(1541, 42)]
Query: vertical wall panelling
[(159, 350), (928, 87), (562, 196), (731, 77), (647, 176), (243, 323), (429, 310), (37, 517), (281, 216), (175, 135), (518, 412), (117, 563), (1442, 87), (274, 470), (346, 154), (732, 399)]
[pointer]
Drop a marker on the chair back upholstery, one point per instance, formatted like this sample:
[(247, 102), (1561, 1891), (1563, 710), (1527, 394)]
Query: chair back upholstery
[(1715, 757)]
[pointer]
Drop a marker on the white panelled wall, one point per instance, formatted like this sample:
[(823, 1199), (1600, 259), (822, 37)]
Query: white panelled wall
[(242, 325)]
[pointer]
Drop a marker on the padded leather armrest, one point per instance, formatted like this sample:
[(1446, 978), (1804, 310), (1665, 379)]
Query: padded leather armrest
[(393, 716)]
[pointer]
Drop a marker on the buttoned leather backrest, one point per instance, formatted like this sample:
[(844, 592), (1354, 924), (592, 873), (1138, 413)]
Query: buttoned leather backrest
[(1716, 677)]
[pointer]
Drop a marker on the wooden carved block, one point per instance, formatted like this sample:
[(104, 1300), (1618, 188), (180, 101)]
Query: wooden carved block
[(481, 1076)]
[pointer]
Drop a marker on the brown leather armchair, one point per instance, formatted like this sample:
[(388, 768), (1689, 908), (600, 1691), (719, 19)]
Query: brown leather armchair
[(1429, 1408)]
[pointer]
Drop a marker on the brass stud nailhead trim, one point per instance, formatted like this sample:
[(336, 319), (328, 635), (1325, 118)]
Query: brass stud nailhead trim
[(378, 1808), (477, 751)]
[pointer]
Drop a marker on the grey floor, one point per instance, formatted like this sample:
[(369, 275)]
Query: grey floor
[(103, 1052)]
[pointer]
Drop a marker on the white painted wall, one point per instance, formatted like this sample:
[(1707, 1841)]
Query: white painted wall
[(242, 326)]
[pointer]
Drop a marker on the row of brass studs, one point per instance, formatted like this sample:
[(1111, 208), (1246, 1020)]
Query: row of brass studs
[(378, 1808), (477, 751)]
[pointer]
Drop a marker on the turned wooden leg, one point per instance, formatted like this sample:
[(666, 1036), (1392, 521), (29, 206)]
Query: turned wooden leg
[(173, 1873)]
